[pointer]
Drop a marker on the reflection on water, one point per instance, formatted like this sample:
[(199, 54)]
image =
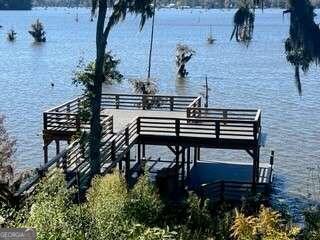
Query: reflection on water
[(240, 77)]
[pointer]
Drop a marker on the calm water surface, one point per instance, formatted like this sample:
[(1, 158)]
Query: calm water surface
[(240, 77)]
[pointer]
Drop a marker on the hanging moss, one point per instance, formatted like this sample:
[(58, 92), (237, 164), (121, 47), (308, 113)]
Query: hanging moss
[(302, 47)]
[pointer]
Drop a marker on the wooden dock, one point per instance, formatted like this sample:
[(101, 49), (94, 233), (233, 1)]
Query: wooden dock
[(180, 123)]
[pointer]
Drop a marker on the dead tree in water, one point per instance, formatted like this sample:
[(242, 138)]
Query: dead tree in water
[(37, 32), (11, 35), (183, 56), (243, 23)]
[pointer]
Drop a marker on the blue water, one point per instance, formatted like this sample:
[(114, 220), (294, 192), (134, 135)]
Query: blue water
[(254, 77)]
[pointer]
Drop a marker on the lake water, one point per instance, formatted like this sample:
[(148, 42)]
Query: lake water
[(240, 77)]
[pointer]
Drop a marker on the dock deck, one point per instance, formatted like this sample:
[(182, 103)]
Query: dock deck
[(180, 123), (123, 117)]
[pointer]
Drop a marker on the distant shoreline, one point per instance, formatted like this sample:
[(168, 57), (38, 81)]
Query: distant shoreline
[(43, 7)]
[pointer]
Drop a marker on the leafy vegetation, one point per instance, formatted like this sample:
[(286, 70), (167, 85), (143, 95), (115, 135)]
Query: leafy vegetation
[(10, 180), (268, 224), (84, 76), (112, 211)]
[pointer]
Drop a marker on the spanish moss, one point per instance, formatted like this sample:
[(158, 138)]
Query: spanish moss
[(302, 47)]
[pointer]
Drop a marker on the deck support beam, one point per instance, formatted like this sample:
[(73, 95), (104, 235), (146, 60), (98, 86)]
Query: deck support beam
[(188, 162), (177, 156), (139, 153), (45, 152), (183, 162), (143, 151), (127, 165), (196, 156), (255, 169), (57, 147)]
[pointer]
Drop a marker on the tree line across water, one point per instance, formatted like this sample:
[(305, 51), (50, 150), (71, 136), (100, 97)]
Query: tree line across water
[(28, 4), (15, 4)]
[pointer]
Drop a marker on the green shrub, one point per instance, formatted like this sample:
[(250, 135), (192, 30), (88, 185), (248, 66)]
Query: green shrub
[(144, 204), (112, 212), (107, 200), (198, 214), (140, 232), (312, 224), (52, 211)]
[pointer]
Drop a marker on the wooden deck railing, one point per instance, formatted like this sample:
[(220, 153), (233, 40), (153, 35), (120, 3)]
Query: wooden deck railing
[(230, 190), (68, 107), (73, 160), (61, 121), (232, 114), (198, 127), (146, 102), (66, 116), (68, 122)]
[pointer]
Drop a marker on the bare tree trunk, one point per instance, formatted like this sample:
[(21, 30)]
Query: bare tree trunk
[(95, 96)]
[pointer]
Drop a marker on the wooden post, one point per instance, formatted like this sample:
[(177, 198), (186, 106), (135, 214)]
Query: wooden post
[(272, 158), (113, 151), (64, 163), (78, 123), (183, 166), (117, 101), (188, 113), (217, 123), (171, 103), (195, 156), (45, 121), (68, 111), (188, 162), (45, 151), (255, 169), (177, 157), (144, 102), (127, 165), (138, 125), (177, 127), (57, 147), (127, 136), (143, 151), (224, 114), (139, 153), (255, 131), (120, 165)]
